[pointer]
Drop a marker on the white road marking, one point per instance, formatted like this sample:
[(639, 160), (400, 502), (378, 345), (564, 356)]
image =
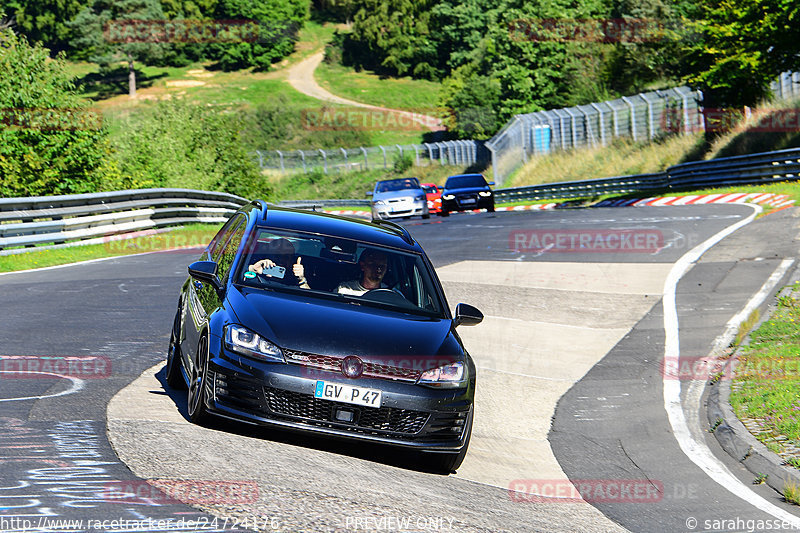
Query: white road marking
[(695, 449), (77, 385)]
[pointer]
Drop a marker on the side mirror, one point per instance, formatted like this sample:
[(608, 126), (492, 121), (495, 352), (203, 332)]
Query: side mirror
[(491, 184), (205, 271), (466, 315), (369, 193)]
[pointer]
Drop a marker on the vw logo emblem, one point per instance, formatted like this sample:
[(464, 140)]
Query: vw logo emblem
[(352, 367)]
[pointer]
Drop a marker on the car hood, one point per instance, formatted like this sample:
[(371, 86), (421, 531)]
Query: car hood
[(321, 326), (397, 194), (465, 190)]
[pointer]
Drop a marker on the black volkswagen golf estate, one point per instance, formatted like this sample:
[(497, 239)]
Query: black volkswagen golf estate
[(323, 324)]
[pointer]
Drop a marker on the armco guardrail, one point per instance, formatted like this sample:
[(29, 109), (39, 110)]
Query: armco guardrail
[(26, 222), (57, 220), (752, 169)]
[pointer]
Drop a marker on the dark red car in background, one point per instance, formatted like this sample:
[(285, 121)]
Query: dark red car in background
[(434, 196)]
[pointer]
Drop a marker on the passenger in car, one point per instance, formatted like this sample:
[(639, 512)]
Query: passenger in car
[(281, 253), (373, 265)]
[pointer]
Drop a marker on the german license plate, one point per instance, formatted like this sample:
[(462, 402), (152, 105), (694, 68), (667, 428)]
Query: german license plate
[(338, 392), (468, 201)]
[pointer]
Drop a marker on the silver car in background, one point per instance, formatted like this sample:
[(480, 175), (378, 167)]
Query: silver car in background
[(396, 198)]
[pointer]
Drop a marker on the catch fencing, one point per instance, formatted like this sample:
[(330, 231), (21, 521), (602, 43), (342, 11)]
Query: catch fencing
[(455, 153), (641, 117)]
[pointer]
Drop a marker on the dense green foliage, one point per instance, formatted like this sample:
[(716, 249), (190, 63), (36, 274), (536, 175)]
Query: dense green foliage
[(44, 21), (50, 142), (81, 27), (501, 57), (177, 144), (745, 44)]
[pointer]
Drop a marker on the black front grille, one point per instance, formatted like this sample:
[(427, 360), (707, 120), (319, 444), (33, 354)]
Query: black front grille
[(372, 370), (315, 410)]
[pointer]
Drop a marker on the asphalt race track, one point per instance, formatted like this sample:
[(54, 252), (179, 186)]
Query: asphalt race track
[(571, 387)]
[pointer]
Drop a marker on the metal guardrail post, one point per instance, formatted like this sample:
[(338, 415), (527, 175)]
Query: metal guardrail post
[(384, 157), (366, 160), (303, 158), (324, 160), (344, 153), (416, 154), (260, 159), (280, 156)]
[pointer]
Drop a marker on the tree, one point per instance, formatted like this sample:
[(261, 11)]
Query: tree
[(278, 24), (45, 21), (744, 45), (110, 31), (395, 36), (50, 141)]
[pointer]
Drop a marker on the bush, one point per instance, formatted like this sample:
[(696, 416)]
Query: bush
[(176, 144), (50, 142)]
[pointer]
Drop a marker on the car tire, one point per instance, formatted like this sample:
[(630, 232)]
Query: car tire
[(198, 412), (174, 360), (490, 208), (444, 213), (426, 216), (450, 462)]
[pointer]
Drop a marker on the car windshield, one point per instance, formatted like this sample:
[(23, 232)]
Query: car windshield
[(333, 267), (461, 182), (429, 189), (397, 185)]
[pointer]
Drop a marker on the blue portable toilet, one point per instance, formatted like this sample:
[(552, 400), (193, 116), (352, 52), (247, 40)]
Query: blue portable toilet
[(541, 139)]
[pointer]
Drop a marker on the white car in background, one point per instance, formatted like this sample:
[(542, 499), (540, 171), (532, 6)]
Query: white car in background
[(397, 198)]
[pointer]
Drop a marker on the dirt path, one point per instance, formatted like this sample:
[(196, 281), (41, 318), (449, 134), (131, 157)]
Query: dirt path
[(301, 77)]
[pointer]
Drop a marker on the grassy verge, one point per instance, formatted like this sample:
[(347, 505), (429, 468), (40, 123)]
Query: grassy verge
[(620, 158), (187, 236), (766, 388), (368, 88)]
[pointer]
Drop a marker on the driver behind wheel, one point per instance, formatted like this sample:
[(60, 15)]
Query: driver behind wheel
[(373, 265), (282, 253)]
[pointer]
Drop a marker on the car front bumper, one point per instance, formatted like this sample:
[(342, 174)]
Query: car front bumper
[(282, 395), (468, 202), (399, 209)]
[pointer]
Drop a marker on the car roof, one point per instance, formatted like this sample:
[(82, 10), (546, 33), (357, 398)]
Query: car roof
[(381, 233)]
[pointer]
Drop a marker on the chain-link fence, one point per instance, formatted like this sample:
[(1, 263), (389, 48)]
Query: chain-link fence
[(458, 153), (640, 117), (787, 86)]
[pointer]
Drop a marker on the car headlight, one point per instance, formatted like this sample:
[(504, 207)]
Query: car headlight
[(448, 376), (378, 202), (449, 196), (485, 193), (244, 341)]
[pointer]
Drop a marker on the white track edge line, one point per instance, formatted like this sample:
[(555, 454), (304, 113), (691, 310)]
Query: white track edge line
[(698, 452)]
